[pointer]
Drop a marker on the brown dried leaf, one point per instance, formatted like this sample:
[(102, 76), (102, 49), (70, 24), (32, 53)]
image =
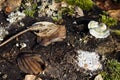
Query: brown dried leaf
[(49, 32), (9, 5), (107, 4), (31, 63), (1, 4), (114, 14)]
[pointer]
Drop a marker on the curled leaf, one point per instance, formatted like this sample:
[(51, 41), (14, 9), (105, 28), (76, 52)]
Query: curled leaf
[(48, 32), (31, 63)]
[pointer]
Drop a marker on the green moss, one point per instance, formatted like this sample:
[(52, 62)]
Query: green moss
[(30, 10), (84, 4), (57, 17), (117, 32), (69, 11), (108, 20), (113, 70)]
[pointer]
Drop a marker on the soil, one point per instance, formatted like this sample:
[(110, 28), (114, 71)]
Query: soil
[(59, 57)]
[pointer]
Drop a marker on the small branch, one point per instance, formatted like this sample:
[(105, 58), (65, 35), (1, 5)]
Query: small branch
[(13, 37)]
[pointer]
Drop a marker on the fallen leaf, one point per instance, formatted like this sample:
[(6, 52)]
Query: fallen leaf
[(114, 14), (9, 5), (30, 63), (48, 32)]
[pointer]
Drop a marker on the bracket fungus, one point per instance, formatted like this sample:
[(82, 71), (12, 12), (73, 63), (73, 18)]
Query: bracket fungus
[(31, 63), (98, 30)]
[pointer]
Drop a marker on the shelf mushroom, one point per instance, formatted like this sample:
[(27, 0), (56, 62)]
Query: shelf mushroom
[(98, 30)]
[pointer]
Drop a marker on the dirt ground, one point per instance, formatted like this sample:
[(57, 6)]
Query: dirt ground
[(59, 57)]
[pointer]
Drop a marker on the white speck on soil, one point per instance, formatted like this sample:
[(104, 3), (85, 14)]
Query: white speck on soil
[(4, 76), (3, 33), (15, 16), (89, 60)]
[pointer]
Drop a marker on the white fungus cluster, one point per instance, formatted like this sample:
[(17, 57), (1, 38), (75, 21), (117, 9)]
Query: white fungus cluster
[(15, 16), (89, 60), (98, 30), (3, 33)]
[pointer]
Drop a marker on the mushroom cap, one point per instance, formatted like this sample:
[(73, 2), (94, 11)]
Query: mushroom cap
[(93, 24), (98, 30), (96, 34)]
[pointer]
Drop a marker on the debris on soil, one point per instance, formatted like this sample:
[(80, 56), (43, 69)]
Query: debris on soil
[(48, 33), (108, 4), (21, 45), (14, 17), (98, 30), (54, 42), (98, 77), (1, 4), (9, 5), (89, 60), (32, 77), (3, 33), (31, 63), (114, 14)]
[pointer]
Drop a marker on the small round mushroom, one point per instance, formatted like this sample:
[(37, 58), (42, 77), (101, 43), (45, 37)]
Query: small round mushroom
[(98, 30)]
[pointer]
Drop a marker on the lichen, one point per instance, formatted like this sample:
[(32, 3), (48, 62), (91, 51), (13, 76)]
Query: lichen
[(113, 70), (89, 60)]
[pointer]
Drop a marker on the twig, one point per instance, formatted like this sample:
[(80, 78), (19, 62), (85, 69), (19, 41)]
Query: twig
[(13, 37)]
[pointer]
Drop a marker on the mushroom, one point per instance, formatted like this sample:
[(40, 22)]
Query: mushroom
[(98, 30)]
